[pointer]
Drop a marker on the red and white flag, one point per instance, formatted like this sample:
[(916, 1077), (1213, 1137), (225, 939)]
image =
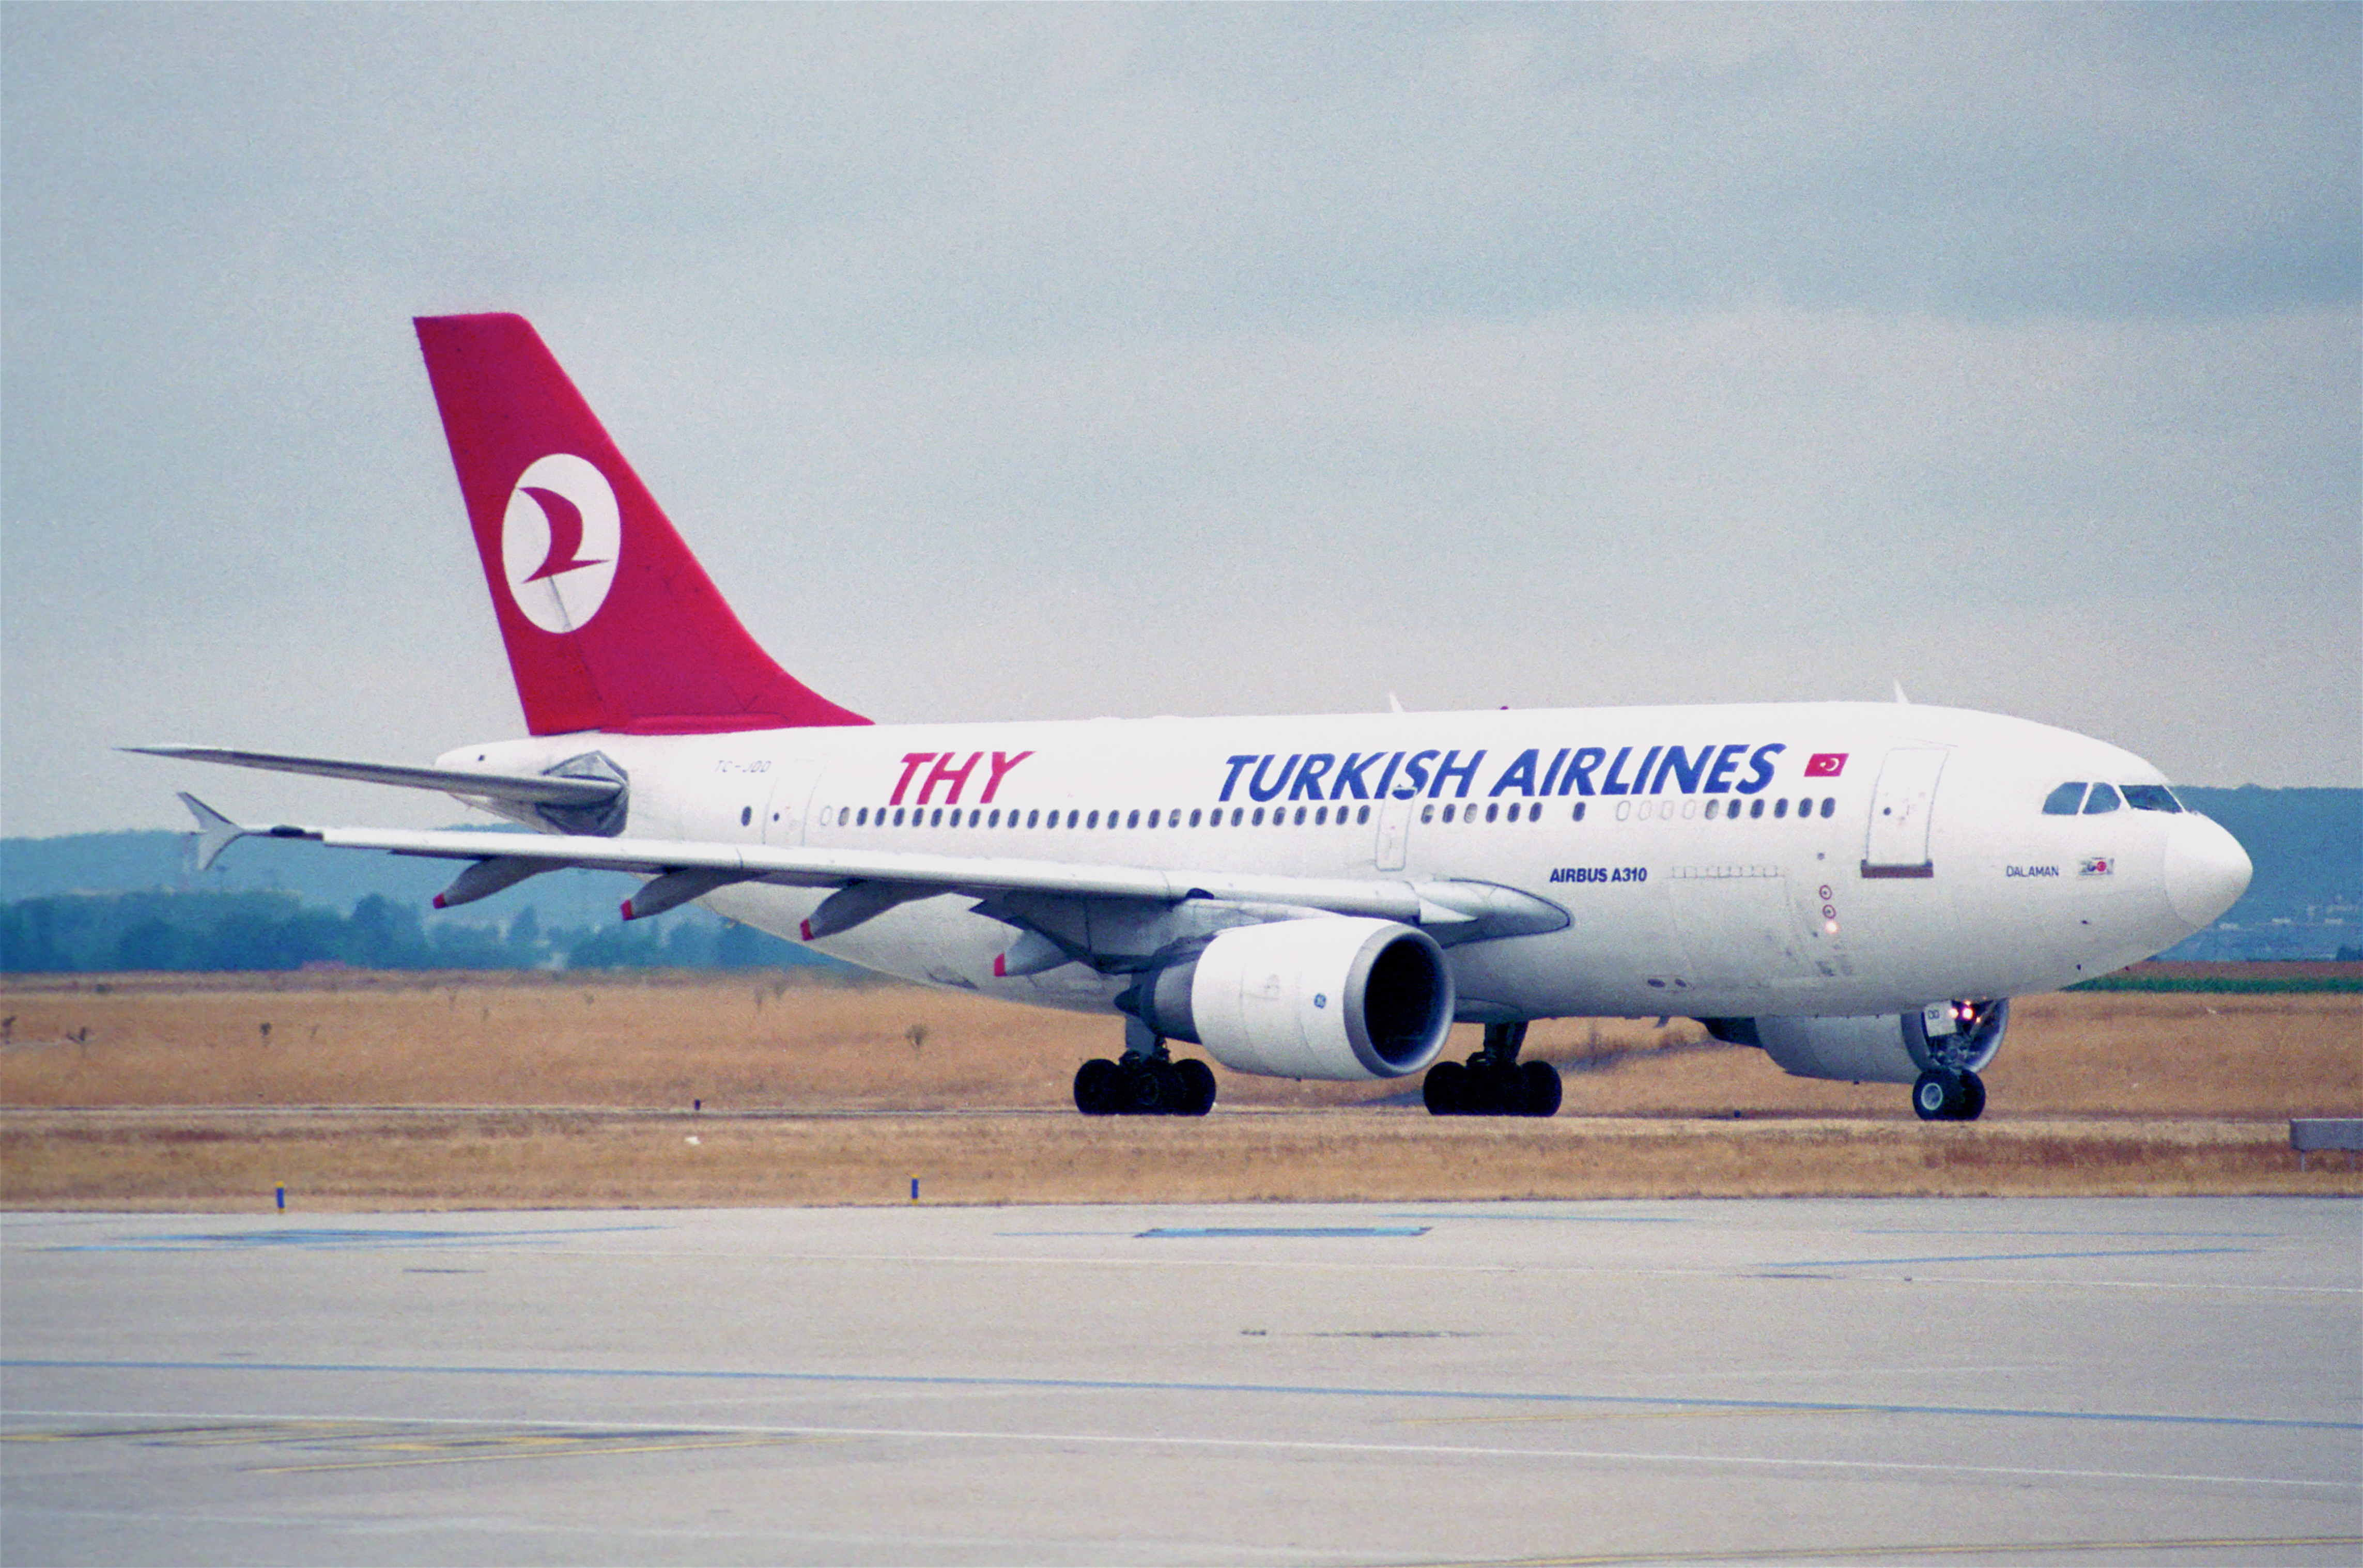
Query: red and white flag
[(1825, 764)]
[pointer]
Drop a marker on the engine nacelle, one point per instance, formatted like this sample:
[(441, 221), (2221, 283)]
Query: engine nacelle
[(1327, 997), (1890, 1048)]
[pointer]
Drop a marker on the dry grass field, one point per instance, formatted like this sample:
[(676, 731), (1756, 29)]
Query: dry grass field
[(495, 1090)]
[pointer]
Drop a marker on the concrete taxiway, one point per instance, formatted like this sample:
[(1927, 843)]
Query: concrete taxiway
[(1957, 1381)]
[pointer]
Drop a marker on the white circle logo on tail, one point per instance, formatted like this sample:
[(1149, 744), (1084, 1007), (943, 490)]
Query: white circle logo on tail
[(558, 542)]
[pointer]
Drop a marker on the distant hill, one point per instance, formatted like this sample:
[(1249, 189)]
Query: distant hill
[(2306, 901), (113, 901)]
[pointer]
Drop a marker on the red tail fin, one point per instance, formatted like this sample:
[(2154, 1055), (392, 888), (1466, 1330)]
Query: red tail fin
[(610, 621)]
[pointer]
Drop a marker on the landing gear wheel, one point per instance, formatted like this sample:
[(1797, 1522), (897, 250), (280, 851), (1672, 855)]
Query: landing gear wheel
[(1542, 1087), (1444, 1089), (1938, 1096), (1973, 1098), (1195, 1095), (1100, 1088), (1152, 1088), (1506, 1088)]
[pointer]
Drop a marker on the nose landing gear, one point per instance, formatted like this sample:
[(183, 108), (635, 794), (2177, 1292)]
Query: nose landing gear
[(1944, 1095), (1493, 1082)]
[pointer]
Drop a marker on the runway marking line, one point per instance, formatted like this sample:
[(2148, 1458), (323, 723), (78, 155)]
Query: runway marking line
[(1141, 1386), (1634, 1416), (1307, 1445), (1957, 1549)]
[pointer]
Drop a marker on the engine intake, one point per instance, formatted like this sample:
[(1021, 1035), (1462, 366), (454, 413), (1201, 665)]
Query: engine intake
[(1328, 997)]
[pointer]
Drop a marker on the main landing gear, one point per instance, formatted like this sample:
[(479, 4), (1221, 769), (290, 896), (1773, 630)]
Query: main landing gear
[(1147, 1082), (1493, 1082), (1944, 1095)]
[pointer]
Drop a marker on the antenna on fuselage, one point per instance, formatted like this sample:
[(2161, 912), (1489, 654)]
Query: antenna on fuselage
[(1901, 700)]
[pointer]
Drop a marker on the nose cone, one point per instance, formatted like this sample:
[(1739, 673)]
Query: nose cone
[(2206, 870)]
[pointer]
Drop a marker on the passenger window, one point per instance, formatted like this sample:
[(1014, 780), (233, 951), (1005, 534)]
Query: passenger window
[(2063, 801), (1829, 805), (898, 816), (1447, 813), (1194, 817), (1781, 807), (1300, 816), (1152, 819), (1493, 811), (1132, 820), (1579, 811), (2151, 797), (1713, 810), (1361, 813), (1427, 813), (1756, 807), (2101, 798)]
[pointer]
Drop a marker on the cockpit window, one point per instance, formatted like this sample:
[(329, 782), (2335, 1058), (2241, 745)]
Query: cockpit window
[(2063, 801), (2151, 797), (2101, 798)]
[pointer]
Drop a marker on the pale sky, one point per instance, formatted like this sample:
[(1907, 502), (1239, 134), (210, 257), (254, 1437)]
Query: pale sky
[(1053, 362)]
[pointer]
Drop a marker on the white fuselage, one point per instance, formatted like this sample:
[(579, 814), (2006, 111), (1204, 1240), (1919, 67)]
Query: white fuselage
[(1737, 875)]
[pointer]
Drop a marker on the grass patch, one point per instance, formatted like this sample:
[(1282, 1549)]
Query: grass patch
[(496, 1092)]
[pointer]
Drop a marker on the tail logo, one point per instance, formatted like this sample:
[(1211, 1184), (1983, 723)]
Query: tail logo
[(558, 542)]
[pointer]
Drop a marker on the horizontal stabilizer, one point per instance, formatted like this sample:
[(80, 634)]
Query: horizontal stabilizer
[(215, 832), (527, 789)]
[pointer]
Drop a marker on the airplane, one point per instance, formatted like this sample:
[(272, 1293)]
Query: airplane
[(1857, 889)]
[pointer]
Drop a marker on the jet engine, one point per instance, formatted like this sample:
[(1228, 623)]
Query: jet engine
[(1952, 1037), (1325, 997)]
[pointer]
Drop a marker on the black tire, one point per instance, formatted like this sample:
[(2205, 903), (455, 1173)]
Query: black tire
[(1543, 1089), (1152, 1087), (1443, 1090), (1937, 1097), (1100, 1088), (1506, 1086), (1197, 1088), (1973, 1098)]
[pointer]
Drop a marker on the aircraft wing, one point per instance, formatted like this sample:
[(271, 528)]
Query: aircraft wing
[(871, 881), (527, 789)]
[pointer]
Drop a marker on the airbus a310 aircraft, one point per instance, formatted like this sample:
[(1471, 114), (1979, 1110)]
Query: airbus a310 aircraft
[(1857, 889)]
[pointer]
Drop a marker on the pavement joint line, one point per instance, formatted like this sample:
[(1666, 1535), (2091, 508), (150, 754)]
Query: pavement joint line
[(1896, 1552), (1143, 1385), (1462, 1451), (2017, 1257)]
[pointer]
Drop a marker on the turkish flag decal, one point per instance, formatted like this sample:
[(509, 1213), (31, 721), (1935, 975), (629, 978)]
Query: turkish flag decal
[(1825, 764)]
